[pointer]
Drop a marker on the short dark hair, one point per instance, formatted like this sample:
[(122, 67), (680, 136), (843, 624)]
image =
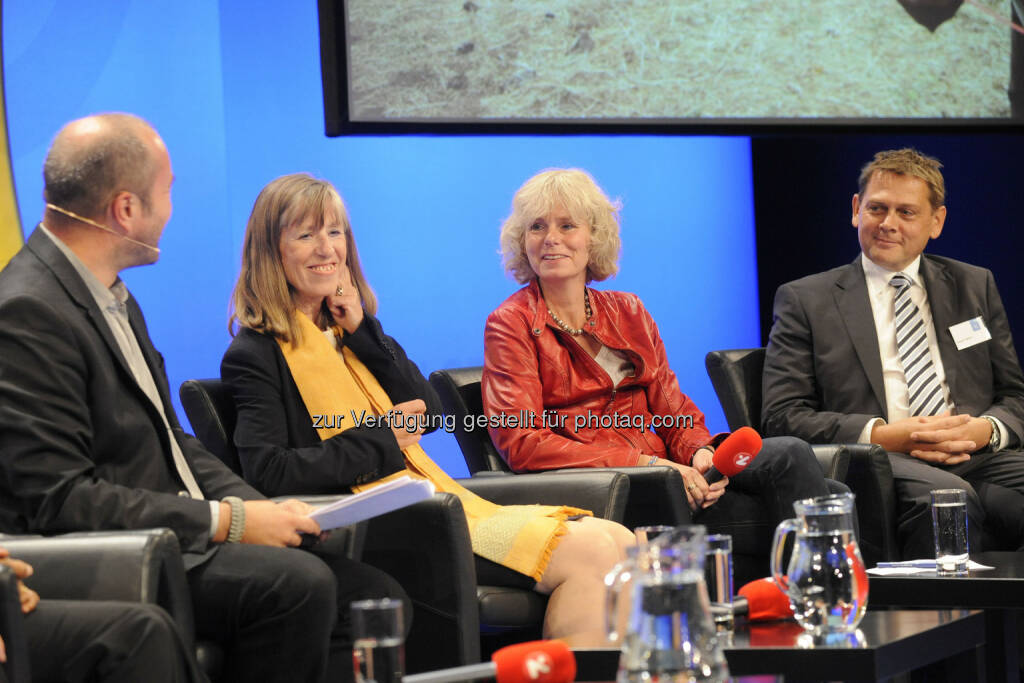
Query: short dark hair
[(83, 177)]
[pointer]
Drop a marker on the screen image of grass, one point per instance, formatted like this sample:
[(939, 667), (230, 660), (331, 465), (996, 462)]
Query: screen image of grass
[(658, 59)]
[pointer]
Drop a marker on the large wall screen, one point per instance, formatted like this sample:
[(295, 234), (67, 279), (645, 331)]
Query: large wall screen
[(650, 62)]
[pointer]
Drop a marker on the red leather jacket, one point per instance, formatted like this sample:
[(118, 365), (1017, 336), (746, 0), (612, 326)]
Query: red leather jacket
[(531, 366)]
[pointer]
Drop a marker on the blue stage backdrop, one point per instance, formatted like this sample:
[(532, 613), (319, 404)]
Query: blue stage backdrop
[(234, 89)]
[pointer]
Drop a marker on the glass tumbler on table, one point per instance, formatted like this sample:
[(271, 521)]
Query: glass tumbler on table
[(378, 655)]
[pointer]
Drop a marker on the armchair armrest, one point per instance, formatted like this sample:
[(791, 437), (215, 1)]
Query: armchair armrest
[(138, 565), (866, 470), (834, 459), (603, 492), (655, 497), (426, 548), (16, 669), (870, 477), (655, 494)]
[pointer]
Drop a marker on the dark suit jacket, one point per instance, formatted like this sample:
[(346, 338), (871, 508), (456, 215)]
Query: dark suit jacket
[(280, 451), (81, 445), (823, 371)]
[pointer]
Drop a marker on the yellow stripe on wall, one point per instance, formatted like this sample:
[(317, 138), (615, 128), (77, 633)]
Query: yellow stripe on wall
[(10, 223)]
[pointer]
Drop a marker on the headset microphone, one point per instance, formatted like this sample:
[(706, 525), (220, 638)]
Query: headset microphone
[(89, 221)]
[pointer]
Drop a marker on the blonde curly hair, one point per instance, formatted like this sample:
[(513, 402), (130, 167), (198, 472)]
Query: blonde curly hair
[(576, 192)]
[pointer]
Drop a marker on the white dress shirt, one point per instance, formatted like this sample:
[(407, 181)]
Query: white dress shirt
[(882, 296)]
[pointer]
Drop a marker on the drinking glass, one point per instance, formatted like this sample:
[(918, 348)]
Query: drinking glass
[(377, 634), (949, 526)]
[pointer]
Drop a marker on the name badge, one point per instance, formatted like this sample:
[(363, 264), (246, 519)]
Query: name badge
[(969, 332)]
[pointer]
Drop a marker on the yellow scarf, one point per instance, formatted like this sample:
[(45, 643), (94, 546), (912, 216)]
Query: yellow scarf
[(520, 537)]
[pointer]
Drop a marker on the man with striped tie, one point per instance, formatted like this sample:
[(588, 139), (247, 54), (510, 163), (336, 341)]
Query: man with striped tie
[(909, 351)]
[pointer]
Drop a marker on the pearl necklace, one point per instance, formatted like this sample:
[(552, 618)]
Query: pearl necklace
[(561, 323)]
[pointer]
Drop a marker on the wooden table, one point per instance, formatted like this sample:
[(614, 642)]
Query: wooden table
[(894, 642)]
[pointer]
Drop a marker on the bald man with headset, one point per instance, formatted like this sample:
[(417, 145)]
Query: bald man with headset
[(91, 440)]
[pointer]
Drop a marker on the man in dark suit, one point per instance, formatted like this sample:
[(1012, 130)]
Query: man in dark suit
[(90, 439), (909, 351)]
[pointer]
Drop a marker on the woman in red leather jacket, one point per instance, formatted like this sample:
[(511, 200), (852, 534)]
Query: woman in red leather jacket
[(577, 377)]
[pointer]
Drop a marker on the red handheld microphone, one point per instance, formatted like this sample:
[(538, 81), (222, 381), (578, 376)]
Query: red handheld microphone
[(737, 451), (766, 601), (537, 661)]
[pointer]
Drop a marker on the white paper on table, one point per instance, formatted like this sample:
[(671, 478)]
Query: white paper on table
[(380, 499), (912, 567)]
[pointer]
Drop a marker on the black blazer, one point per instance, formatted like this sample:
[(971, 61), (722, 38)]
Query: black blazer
[(280, 450), (823, 371), (81, 445)]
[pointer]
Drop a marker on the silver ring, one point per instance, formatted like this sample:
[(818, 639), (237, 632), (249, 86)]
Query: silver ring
[(691, 487), (340, 291)]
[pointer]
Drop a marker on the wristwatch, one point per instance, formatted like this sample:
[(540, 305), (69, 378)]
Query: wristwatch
[(995, 441)]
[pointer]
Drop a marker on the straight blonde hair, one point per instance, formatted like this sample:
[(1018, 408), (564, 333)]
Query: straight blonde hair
[(263, 300)]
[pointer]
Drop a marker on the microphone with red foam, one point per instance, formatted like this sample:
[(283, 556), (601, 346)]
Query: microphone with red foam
[(537, 661), (733, 455)]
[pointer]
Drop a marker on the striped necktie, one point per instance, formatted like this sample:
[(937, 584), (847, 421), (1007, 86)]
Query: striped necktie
[(926, 396)]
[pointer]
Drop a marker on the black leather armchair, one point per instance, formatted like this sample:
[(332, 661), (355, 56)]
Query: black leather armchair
[(132, 566), (736, 377), (16, 669), (426, 546), (210, 409), (655, 493)]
